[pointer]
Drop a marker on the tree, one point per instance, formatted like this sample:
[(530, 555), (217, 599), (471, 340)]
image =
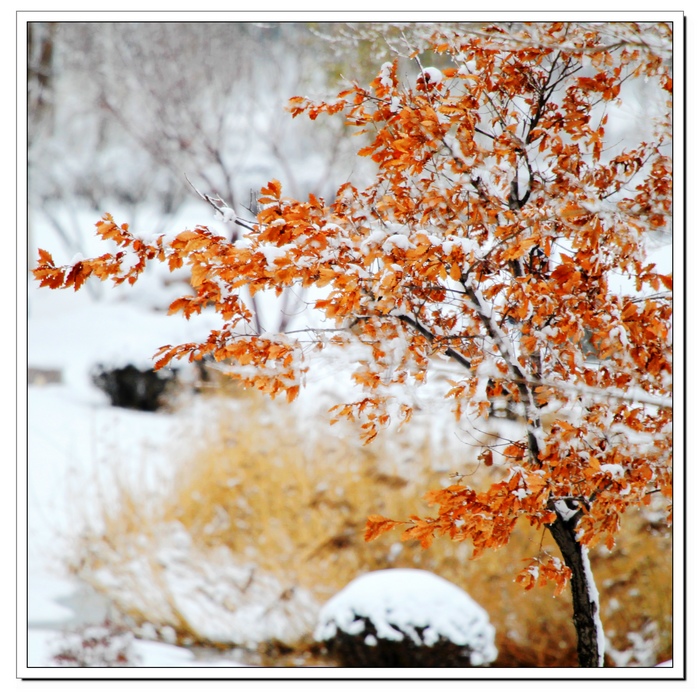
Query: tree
[(118, 111), (489, 237)]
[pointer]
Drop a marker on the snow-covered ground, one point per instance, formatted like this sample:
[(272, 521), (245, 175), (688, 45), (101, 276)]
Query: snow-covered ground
[(75, 438)]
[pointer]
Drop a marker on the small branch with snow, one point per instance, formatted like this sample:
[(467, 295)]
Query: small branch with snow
[(227, 213)]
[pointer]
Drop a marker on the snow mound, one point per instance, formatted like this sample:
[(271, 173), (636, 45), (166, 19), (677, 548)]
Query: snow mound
[(409, 604)]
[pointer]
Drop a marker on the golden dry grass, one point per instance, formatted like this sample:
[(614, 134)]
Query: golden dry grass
[(294, 499)]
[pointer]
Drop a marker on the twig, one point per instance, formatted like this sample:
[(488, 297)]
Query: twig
[(218, 203)]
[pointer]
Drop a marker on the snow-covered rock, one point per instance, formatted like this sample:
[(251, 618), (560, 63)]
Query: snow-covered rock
[(406, 617)]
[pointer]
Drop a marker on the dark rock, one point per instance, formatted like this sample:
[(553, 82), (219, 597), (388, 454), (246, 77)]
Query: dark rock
[(130, 387), (354, 650)]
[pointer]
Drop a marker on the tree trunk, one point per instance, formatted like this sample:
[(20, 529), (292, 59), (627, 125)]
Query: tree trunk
[(583, 590), (40, 72)]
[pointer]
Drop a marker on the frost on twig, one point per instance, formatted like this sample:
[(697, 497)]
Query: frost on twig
[(225, 213)]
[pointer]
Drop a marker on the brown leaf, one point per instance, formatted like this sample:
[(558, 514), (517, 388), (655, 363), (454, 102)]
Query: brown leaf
[(376, 525)]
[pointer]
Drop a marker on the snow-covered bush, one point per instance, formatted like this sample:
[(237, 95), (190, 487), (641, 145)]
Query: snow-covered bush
[(96, 646), (164, 582), (406, 617)]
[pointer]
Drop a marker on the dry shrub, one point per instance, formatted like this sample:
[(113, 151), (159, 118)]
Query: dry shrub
[(291, 497), (294, 497)]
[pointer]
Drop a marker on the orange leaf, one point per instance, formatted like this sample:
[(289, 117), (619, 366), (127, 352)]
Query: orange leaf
[(51, 277), (77, 276), (45, 258), (528, 577), (325, 276), (377, 525), (528, 342), (178, 305), (405, 145), (167, 353), (516, 451), (273, 188), (199, 274)]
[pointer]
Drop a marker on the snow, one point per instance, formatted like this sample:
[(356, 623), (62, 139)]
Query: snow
[(218, 596), (595, 600), (534, 571), (44, 644), (74, 439), (615, 470), (564, 510), (432, 75), (226, 215), (397, 240), (413, 603), (80, 449), (641, 650), (272, 253), (385, 75)]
